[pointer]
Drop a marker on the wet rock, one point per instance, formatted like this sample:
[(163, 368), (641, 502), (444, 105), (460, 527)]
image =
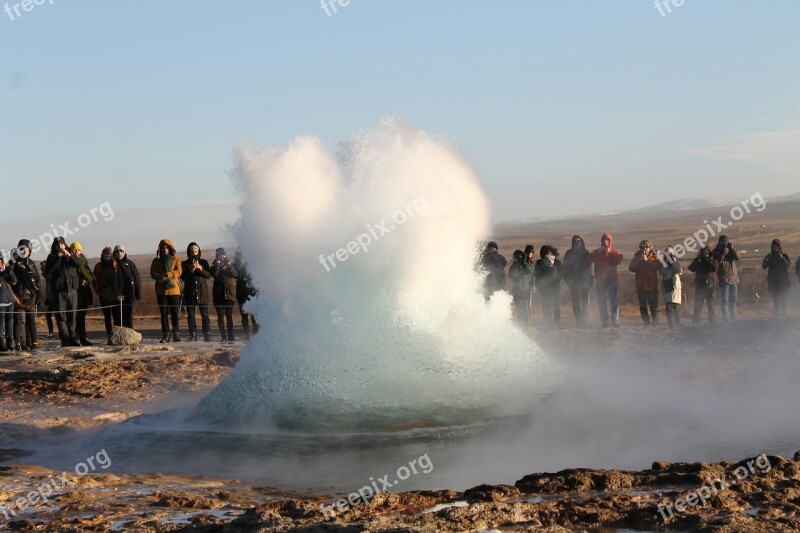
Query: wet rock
[(125, 336), (185, 500)]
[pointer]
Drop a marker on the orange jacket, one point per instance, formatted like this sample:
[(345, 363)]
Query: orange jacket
[(606, 261), (174, 272)]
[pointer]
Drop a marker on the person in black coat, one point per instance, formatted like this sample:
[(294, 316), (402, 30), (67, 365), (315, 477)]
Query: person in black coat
[(521, 274), (579, 278), (548, 274), (493, 265), (196, 273), (108, 284), (131, 284), (777, 263), (7, 300), (224, 293), (29, 292), (61, 271), (705, 284), (245, 290)]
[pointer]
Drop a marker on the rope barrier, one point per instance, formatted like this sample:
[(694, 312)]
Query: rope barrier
[(87, 309)]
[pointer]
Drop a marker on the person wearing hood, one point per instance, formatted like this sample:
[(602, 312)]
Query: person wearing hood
[(29, 292), (670, 269), (61, 272), (46, 303), (245, 290), (578, 275), (196, 273), (521, 274), (494, 266), (131, 284), (166, 269), (547, 276), (777, 263), (530, 257), (728, 258), (705, 284), (645, 266), (7, 301), (224, 293), (85, 297), (108, 284), (606, 259)]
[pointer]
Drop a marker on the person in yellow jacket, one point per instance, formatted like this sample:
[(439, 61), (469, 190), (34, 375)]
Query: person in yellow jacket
[(166, 270)]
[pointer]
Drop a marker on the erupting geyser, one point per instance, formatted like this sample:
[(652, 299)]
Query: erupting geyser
[(372, 315)]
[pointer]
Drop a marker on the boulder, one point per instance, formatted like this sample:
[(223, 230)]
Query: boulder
[(125, 336)]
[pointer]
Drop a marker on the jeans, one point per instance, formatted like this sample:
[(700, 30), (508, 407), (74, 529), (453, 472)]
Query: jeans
[(579, 293), (608, 291), (191, 315), (168, 307), (225, 314), (728, 294), (25, 324), (701, 294), (7, 323), (247, 318), (110, 316), (648, 300), (673, 314), (67, 302)]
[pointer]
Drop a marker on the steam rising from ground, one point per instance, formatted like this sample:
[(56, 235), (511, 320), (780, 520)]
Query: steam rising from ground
[(396, 335)]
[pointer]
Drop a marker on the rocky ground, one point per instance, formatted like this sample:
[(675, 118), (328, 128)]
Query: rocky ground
[(60, 391)]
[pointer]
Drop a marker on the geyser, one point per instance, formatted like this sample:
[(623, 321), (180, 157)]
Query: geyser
[(384, 336)]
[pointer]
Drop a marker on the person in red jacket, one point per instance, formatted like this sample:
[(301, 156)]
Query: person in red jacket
[(645, 266), (605, 260)]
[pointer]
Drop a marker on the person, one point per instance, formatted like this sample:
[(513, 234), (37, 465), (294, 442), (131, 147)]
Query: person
[(493, 265), (645, 265), (85, 297), (670, 269), (245, 290), (7, 301), (728, 258), (196, 273), (48, 308), (776, 263), (530, 257), (521, 274), (28, 291), (131, 284), (224, 293), (605, 260), (547, 276), (705, 284), (109, 285), (166, 269), (578, 275), (61, 272)]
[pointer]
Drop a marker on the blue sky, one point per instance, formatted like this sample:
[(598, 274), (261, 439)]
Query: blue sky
[(563, 107)]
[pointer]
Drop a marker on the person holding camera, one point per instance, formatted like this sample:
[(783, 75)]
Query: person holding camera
[(166, 269), (245, 290), (108, 284), (777, 263), (670, 269), (578, 275), (547, 273), (645, 266), (196, 273), (61, 272), (521, 274), (224, 293), (493, 264), (705, 284), (606, 259), (85, 297), (29, 293), (131, 284), (728, 276)]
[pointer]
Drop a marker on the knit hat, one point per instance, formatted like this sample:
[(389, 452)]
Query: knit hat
[(119, 247), (76, 246)]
